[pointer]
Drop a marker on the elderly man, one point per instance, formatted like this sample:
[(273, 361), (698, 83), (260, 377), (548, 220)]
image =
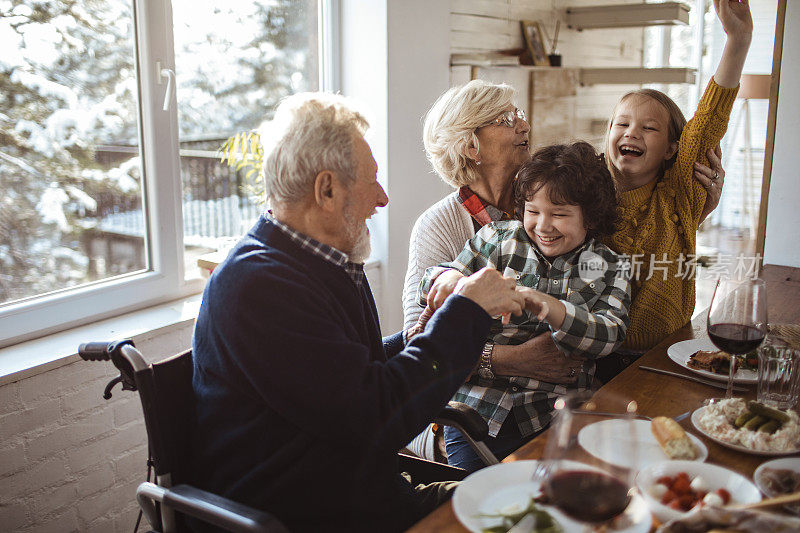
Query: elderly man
[(300, 405)]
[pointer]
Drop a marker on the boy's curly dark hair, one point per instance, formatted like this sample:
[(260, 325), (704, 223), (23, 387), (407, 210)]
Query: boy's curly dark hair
[(575, 174)]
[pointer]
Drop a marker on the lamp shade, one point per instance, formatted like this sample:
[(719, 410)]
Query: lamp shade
[(754, 86)]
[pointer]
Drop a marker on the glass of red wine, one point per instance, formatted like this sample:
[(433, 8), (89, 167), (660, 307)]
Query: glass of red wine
[(737, 319), (589, 464)]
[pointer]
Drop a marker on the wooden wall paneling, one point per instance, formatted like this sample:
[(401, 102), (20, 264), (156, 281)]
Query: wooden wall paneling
[(552, 97), (512, 10), (601, 48), (478, 24), (459, 76), (470, 42), (559, 113)]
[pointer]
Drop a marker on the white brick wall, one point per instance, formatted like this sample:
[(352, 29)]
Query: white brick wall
[(69, 460)]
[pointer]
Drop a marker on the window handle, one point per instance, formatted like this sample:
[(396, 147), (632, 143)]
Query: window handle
[(169, 75)]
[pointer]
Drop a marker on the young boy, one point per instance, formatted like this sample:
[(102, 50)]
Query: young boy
[(566, 201)]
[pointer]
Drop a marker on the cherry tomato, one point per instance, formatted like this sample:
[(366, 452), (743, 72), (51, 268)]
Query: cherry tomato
[(687, 501), (681, 485)]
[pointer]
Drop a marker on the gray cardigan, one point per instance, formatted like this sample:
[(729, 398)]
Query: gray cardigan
[(439, 234)]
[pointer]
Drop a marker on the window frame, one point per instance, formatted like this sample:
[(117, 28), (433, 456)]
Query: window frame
[(163, 280)]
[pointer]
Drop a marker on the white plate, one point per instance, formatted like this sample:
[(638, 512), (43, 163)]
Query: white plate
[(788, 463), (647, 452), (716, 477), (738, 447), (494, 488), (680, 352)]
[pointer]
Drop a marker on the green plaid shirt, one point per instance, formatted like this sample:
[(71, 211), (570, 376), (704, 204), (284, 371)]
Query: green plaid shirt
[(591, 283)]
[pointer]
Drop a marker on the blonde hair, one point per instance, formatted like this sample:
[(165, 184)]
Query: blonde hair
[(674, 129), (450, 124), (309, 133)]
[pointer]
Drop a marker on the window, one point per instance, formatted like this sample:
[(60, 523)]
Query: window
[(110, 117)]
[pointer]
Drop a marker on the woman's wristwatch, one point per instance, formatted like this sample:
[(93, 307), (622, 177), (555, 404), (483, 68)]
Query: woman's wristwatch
[(485, 366)]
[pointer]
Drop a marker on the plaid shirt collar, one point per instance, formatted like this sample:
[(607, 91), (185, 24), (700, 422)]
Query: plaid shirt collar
[(481, 211), (563, 262), (354, 270)]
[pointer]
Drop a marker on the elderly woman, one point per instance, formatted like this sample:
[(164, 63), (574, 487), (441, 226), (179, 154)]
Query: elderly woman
[(476, 139), (480, 162)]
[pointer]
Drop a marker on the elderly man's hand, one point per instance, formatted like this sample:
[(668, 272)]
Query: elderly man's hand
[(493, 292)]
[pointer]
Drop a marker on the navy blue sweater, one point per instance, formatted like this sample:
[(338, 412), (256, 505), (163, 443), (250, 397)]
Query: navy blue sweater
[(300, 409)]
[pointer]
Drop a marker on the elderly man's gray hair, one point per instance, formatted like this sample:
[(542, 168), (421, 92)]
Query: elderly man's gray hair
[(310, 132)]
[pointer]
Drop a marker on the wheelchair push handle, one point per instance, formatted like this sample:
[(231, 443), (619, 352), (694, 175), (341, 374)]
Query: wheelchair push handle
[(95, 351), (123, 354)]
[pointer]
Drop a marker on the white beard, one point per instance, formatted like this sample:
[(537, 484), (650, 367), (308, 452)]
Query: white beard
[(358, 235)]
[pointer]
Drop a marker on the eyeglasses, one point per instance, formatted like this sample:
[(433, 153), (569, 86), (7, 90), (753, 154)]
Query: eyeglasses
[(509, 118)]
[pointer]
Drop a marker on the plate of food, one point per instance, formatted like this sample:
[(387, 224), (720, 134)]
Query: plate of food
[(660, 440), (703, 358), (778, 477), (674, 488), (497, 497), (749, 427)]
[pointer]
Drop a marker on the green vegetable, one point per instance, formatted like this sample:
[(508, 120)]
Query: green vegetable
[(769, 412), (755, 422), (544, 522), (769, 427), (743, 418)]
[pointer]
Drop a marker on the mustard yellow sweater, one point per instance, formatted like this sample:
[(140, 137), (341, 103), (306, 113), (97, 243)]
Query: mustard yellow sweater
[(660, 220)]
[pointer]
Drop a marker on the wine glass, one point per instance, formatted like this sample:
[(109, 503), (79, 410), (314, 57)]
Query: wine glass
[(591, 458), (737, 319)]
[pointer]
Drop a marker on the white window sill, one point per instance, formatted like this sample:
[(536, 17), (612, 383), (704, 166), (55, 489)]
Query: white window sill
[(37, 356), (46, 353)]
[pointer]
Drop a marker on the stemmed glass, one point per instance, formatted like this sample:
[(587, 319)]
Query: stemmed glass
[(737, 319), (589, 464)]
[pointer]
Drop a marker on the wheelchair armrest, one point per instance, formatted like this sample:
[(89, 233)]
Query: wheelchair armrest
[(465, 418), (210, 508), (472, 425)]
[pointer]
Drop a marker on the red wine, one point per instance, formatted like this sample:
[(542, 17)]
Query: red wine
[(588, 496), (735, 338)]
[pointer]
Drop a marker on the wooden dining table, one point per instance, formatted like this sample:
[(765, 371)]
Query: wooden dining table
[(661, 395)]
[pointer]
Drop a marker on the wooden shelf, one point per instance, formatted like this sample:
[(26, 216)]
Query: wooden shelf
[(634, 75), (594, 75), (627, 15), (484, 59)]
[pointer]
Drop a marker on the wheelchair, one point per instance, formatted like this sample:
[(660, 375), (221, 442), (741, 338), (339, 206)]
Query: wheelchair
[(165, 390)]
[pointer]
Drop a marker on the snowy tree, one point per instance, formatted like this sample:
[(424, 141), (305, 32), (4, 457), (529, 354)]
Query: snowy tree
[(68, 87), (65, 86)]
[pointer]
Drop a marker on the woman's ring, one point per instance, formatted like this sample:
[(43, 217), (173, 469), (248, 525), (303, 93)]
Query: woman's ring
[(715, 177), (572, 372)]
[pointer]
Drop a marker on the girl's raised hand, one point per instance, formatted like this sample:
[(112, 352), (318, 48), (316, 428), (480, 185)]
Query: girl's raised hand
[(738, 25), (735, 18)]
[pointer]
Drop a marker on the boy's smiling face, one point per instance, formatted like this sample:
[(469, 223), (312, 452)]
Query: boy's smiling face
[(555, 229)]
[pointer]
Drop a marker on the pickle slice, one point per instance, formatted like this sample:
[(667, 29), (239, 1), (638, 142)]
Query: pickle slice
[(743, 418), (755, 422), (769, 412), (769, 427)]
